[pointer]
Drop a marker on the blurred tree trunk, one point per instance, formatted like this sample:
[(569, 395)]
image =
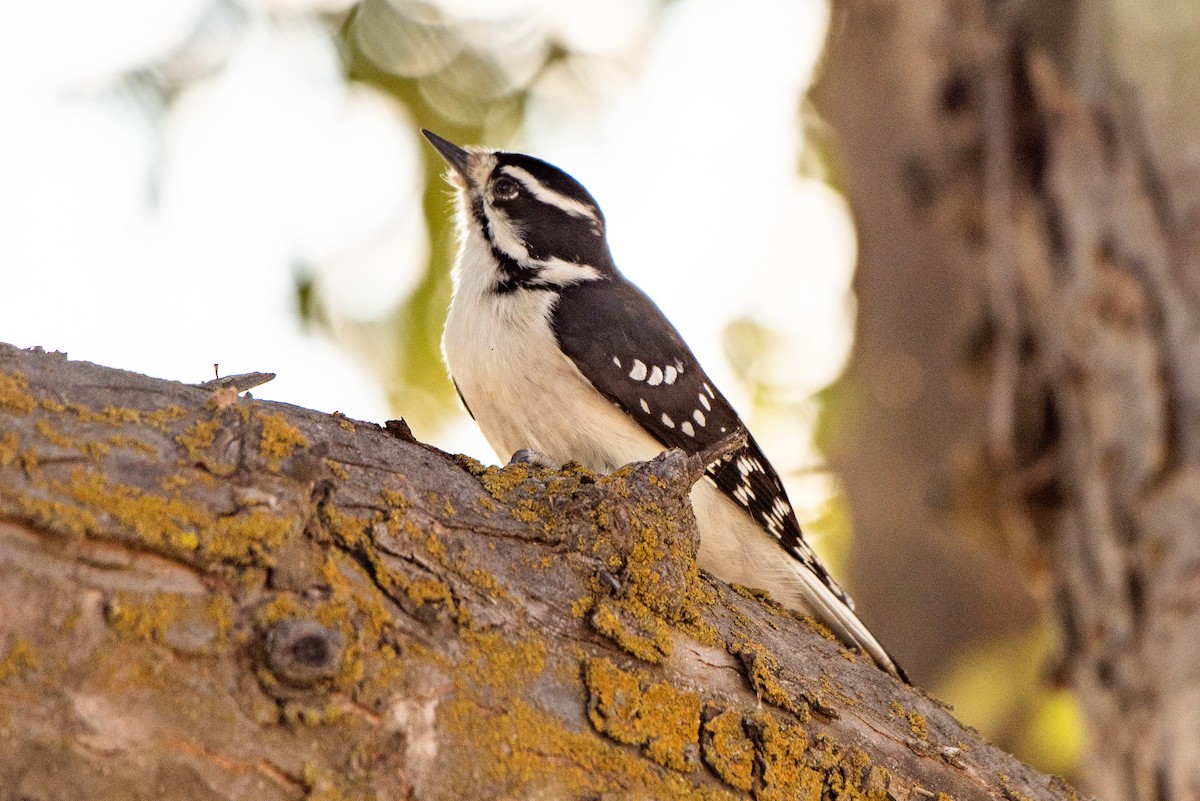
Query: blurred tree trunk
[(1024, 177)]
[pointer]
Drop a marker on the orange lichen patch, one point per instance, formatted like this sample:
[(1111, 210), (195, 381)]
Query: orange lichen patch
[(785, 775), (727, 749), (162, 418), (634, 628), (1010, 793), (337, 469), (819, 627), (246, 538), (503, 664), (190, 623), (14, 394), (173, 481), (280, 439), (55, 515), (663, 721), (396, 501), (131, 443), (19, 660), (486, 582), (197, 437), (95, 450), (178, 525), (119, 416), (52, 436), (344, 423), (918, 724), (430, 591), (10, 449), (531, 753), (761, 669)]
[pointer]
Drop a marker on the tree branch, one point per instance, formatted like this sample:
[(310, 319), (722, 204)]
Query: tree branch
[(220, 597)]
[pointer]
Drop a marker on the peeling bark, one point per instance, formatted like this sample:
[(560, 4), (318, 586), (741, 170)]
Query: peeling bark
[(205, 596)]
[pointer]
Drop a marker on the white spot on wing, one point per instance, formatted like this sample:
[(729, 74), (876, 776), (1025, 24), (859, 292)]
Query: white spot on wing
[(686, 428), (667, 421), (698, 416), (709, 390), (670, 374), (656, 376), (704, 402), (616, 361), (645, 406), (638, 373)]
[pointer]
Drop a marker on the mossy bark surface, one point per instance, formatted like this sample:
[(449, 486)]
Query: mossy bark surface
[(206, 596)]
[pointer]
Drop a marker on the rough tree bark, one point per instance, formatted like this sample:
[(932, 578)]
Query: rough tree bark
[(204, 596), (1029, 220)]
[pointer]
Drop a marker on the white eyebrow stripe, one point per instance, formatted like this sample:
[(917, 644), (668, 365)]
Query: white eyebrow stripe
[(568, 204)]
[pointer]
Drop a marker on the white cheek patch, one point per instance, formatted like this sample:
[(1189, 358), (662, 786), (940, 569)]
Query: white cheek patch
[(556, 271)]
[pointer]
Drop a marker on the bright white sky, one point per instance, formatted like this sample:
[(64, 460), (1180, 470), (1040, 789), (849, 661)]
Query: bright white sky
[(167, 248)]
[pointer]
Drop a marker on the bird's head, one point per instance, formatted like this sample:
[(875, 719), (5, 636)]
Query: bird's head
[(540, 227)]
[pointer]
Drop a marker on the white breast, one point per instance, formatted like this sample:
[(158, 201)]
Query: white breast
[(523, 391)]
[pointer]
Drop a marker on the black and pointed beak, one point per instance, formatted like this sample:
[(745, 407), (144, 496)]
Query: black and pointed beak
[(454, 155)]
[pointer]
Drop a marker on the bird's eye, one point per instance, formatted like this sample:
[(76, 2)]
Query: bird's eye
[(505, 188)]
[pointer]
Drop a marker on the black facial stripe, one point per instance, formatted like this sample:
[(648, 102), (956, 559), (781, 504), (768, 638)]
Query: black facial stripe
[(549, 232), (513, 277)]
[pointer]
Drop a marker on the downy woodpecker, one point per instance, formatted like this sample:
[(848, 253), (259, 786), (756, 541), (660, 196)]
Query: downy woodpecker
[(552, 349)]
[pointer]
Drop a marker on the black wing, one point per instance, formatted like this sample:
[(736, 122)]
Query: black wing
[(625, 346)]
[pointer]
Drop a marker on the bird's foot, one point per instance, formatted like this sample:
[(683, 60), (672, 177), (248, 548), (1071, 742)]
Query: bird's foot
[(533, 458)]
